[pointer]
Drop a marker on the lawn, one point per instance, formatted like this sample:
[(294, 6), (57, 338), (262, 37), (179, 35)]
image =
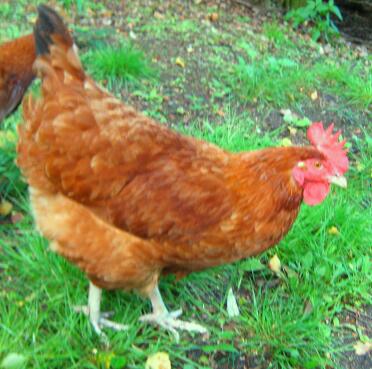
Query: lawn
[(243, 81)]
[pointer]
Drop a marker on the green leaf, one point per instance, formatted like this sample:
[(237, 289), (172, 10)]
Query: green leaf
[(13, 361), (321, 271), (323, 8), (251, 265), (314, 362), (304, 122), (118, 362), (294, 353), (307, 260), (221, 347), (336, 10), (226, 335), (315, 34), (294, 120)]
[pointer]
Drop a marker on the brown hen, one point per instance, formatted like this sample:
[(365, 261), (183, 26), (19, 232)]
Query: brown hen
[(16, 59), (127, 199)]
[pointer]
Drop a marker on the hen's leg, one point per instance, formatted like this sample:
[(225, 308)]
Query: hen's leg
[(168, 320), (97, 318)]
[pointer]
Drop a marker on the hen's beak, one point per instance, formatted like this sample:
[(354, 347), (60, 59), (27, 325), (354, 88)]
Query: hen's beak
[(338, 180)]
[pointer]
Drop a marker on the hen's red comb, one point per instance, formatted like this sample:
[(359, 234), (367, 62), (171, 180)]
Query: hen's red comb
[(329, 145)]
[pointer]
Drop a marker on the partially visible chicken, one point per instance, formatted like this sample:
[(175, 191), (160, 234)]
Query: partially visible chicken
[(127, 199), (16, 60)]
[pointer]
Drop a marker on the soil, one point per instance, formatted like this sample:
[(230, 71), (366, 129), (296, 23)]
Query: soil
[(357, 321), (357, 21)]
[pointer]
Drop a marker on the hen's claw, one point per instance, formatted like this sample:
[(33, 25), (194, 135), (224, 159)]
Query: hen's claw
[(84, 309), (101, 321), (170, 322), (98, 320)]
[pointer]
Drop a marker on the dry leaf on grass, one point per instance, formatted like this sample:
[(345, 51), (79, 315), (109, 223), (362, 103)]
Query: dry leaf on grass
[(362, 348), (160, 360), (314, 95), (13, 361), (274, 264), (333, 230), (180, 62), (285, 112), (158, 15), (292, 130), (213, 17), (5, 208), (232, 306), (286, 142)]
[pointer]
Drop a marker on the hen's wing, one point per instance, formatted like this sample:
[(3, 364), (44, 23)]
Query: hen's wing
[(11, 93)]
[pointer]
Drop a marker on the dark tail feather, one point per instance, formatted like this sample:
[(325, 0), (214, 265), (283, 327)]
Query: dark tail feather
[(49, 27)]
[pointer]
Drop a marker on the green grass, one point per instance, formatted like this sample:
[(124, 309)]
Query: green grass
[(351, 82), (81, 5), (273, 80), (282, 81), (236, 134), (183, 27), (117, 64), (281, 69), (277, 34), (10, 181)]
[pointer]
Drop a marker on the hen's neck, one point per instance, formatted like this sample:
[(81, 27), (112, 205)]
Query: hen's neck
[(267, 175)]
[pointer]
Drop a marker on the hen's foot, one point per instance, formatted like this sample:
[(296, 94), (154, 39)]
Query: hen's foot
[(101, 321), (169, 321), (92, 310)]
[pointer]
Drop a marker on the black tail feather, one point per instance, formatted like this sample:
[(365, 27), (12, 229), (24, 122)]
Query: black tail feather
[(49, 24)]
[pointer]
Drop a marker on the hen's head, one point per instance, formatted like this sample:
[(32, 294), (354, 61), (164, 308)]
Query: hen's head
[(314, 175)]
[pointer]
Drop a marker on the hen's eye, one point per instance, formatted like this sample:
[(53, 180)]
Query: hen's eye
[(318, 164)]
